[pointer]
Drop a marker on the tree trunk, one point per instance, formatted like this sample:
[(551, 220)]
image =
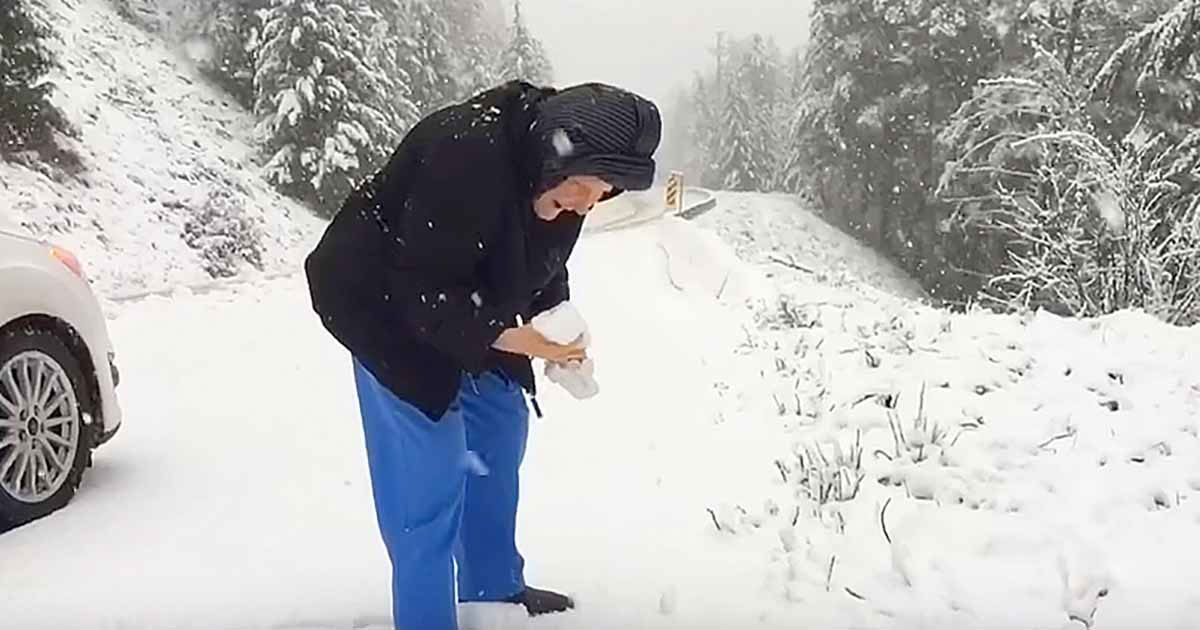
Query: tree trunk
[(1073, 36)]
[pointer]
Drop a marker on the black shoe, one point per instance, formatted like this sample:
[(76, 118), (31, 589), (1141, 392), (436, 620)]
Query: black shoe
[(539, 602)]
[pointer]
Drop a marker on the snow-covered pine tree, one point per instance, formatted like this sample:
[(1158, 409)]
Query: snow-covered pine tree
[(27, 115), (476, 43), (705, 105), (676, 141), (388, 50), (1081, 34), (744, 161), (761, 70), (1155, 73), (744, 138), (881, 77), (326, 114), (703, 133), (789, 103), (794, 77), (430, 61), (524, 58), (764, 81), (223, 41)]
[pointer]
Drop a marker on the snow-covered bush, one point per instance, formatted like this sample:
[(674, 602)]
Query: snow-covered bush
[(223, 234), (1075, 225)]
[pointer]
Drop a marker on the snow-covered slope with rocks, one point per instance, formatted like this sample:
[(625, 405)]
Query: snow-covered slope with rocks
[(167, 160)]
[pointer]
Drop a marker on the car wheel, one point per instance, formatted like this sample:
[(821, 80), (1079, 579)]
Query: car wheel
[(44, 443)]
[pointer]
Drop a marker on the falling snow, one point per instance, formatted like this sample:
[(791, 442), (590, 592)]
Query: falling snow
[(562, 143)]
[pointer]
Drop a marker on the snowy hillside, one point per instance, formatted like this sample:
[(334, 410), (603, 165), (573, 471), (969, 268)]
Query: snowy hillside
[(773, 230), (169, 171)]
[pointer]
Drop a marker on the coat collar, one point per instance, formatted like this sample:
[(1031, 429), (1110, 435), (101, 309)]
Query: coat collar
[(521, 105)]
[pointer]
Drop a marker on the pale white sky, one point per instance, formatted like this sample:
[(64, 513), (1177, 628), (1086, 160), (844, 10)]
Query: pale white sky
[(649, 46)]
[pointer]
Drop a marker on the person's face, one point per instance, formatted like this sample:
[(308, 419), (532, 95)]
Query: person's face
[(576, 194)]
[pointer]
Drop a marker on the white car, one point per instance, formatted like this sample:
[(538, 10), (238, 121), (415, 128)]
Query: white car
[(57, 377)]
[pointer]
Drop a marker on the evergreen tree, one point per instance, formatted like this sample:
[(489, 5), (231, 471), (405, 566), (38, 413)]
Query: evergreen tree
[(524, 58), (27, 115), (703, 134), (794, 77), (430, 61), (881, 78), (1153, 75), (678, 119), (227, 34), (388, 50), (763, 80), (761, 71), (744, 159), (476, 43), (325, 113), (737, 116), (746, 141)]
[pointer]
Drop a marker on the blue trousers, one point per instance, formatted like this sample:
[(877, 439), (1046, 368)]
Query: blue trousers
[(446, 493)]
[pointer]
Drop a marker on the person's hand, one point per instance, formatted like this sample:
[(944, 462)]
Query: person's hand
[(528, 341)]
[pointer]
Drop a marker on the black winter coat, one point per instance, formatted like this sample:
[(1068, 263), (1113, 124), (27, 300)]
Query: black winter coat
[(428, 261)]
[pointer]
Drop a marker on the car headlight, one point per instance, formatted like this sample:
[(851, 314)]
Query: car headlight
[(69, 260)]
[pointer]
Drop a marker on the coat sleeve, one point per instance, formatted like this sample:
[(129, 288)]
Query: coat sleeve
[(555, 293), (441, 242), (563, 233)]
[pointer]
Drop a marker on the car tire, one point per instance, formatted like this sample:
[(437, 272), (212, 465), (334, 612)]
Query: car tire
[(41, 497)]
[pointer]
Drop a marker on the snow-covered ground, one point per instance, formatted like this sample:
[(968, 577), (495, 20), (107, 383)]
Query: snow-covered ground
[(236, 495), (1053, 474), (160, 147), (785, 435), (768, 230), (1016, 472)]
